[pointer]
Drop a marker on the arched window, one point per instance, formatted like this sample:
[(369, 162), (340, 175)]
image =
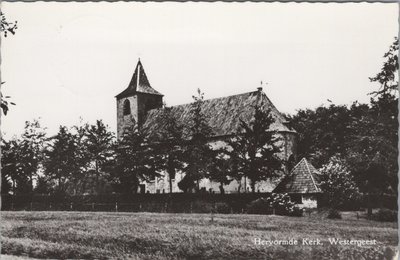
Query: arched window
[(127, 107)]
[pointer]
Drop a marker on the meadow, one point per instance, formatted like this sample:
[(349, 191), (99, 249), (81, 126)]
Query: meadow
[(105, 235)]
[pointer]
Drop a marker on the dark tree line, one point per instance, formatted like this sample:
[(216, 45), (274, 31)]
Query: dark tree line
[(87, 159), (363, 136)]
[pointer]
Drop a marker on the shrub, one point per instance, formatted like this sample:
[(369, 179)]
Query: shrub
[(222, 207), (296, 212), (202, 207), (337, 183), (259, 206), (334, 214), (385, 215), (280, 202)]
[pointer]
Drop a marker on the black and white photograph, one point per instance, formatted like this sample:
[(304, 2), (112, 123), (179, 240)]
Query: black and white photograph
[(199, 130)]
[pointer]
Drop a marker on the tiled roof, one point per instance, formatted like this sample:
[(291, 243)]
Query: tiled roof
[(302, 179), (138, 84), (223, 114)]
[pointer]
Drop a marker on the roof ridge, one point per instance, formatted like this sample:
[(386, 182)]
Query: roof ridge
[(312, 177), (297, 164), (210, 99)]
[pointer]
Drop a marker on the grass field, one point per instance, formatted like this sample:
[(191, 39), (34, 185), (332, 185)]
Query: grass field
[(104, 235)]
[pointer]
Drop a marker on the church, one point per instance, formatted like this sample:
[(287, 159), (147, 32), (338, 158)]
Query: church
[(142, 103)]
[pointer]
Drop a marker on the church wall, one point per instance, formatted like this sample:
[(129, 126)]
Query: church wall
[(162, 184)]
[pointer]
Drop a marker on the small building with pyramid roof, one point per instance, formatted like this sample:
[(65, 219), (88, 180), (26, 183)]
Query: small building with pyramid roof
[(301, 185), (142, 104)]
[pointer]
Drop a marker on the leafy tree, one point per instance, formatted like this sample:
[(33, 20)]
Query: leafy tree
[(322, 132), (257, 148), (197, 153), (31, 151), (221, 168), (388, 76), (9, 166), (61, 159), (13, 171), (134, 160), (170, 149), (337, 183), (99, 147)]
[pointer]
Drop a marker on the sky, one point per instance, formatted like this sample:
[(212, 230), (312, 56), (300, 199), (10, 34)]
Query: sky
[(68, 60)]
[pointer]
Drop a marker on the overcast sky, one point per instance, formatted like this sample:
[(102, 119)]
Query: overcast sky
[(69, 60)]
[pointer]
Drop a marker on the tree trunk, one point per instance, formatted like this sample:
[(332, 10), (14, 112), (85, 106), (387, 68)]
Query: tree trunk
[(170, 183), (253, 186), (369, 205), (221, 188)]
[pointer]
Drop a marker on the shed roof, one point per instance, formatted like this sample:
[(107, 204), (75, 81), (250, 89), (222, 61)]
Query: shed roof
[(223, 114), (302, 179)]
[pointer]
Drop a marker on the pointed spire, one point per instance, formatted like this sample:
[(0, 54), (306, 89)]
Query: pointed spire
[(139, 83)]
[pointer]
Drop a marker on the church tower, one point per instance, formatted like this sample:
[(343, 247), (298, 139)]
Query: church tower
[(134, 102)]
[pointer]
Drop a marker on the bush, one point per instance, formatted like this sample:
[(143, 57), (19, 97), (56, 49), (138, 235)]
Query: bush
[(385, 215), (222, 207), (259, 206), (296, 212), (280, 202), (334, 214), (202, 207)]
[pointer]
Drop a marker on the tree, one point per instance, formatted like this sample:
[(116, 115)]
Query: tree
[(197, 153), (170, 149), (388, 76), (98, 143), (31, 150), (134, 160), (61, 161), (257, 148), (221, 168), (9, 166), (322, 132), (336, 182)]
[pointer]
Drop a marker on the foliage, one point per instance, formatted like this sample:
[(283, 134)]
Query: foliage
[(6, 26), (388, 77), (385, 215), (259, 206), (220, 168), (336, 182), (197, 154), (134, 160), (99, 147), (334, 214), (31, 151), (169, 149), (256, 148), (62, 158), (5, 102), (278, 203), (222, 208), (323, 132)]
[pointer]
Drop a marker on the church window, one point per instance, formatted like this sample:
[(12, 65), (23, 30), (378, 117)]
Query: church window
[(127, 107)]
